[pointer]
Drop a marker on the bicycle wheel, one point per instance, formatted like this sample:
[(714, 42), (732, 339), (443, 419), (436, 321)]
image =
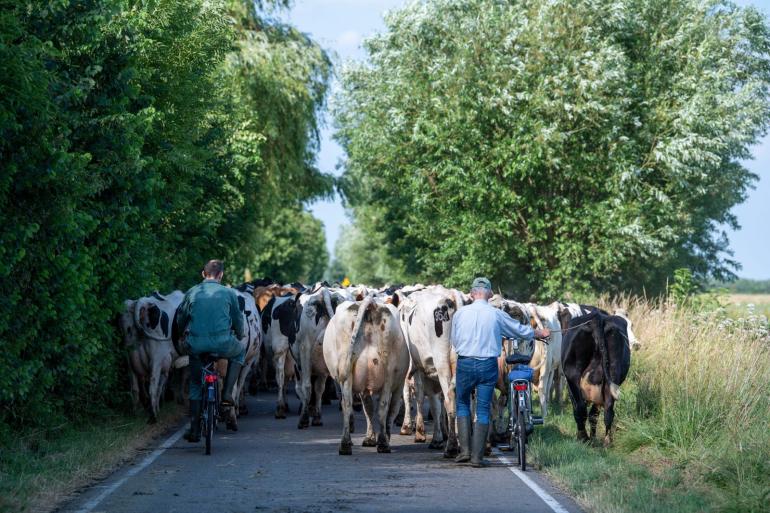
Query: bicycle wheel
[(209, 426), (522, 428)]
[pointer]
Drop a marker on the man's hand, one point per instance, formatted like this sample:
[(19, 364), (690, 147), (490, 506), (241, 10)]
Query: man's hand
[(544, 333)]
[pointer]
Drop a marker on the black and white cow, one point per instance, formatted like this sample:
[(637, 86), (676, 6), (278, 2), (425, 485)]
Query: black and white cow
[(146, 327), (314, 311), (595, 358), (426, 321), (279, 332)]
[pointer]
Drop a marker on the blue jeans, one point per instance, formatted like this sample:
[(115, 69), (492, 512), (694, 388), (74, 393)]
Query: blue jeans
[(230, 348), (478, 374)]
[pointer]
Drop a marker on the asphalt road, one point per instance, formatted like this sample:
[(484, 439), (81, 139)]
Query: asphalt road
[(271, 466)]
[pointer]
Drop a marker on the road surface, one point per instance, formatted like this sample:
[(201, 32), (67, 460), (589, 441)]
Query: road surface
[(271, 466)]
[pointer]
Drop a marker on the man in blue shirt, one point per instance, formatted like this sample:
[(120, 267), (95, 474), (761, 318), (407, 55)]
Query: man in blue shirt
[(477, 333)]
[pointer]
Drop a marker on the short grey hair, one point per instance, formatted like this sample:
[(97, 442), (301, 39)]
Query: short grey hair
[(484, 290), (213, 268)]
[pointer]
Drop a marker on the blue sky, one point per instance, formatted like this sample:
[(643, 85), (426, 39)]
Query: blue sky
[(341, 25)]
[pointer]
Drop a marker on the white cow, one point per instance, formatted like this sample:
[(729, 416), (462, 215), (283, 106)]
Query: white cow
[(546, 360), (146, 327), (252, 340), (365, 352), (315, 312), (426, 320)]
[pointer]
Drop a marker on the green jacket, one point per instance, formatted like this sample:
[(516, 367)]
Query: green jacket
[(210, 311)]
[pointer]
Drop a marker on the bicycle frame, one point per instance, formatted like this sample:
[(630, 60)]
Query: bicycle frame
[(210, 403)]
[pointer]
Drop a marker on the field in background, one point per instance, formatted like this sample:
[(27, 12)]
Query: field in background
[(693, 421), (740, 305)]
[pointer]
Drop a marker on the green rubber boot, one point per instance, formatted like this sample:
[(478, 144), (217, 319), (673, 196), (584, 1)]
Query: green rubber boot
[(193, 435), (464, 437), (479, 444)]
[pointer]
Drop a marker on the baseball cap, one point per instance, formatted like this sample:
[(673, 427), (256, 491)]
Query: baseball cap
[(481, 283)]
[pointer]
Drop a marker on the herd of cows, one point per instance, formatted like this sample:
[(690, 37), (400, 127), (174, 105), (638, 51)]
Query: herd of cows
[(391, 345)]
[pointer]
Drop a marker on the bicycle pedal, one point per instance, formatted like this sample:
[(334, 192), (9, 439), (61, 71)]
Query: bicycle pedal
[(538, 421)]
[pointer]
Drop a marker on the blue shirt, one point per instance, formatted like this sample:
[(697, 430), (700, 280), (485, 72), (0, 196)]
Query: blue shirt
[(478, 330)]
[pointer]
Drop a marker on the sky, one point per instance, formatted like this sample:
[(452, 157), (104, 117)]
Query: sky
[(341, 25)]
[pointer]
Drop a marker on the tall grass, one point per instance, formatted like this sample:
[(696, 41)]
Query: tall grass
[(693, 419)]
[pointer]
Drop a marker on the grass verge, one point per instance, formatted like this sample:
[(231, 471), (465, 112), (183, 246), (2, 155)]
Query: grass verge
[(693, 423), (39, 469)]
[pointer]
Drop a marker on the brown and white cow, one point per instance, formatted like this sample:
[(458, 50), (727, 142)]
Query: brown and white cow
[(365, 351), (146, 327)]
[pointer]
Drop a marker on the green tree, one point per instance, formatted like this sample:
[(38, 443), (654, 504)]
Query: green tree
[(137, 140), (555, 145)]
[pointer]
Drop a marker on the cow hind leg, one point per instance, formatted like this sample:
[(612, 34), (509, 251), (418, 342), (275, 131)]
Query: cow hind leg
[(438, 435), (280, 378), (346, 444), (407, 424), (419, 419), (383, 414), (369, 440), (452, 445), (579, 408), (609, 417), (318, 389), (593, 420)]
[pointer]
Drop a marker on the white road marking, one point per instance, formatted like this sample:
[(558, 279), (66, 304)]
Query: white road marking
[(547, 498), (90, 505)]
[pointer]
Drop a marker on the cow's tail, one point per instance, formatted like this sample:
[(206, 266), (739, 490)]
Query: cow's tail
[(601, 342), (355, 340), (328, 303)]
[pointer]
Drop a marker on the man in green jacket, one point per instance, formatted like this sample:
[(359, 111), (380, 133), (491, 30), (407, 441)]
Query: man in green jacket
[(209, 313)]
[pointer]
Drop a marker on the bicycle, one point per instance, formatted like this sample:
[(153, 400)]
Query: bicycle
[(210, 404), (521, 422)]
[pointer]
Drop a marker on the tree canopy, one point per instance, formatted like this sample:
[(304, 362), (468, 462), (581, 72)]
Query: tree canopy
[(139, 139), (555, 145)]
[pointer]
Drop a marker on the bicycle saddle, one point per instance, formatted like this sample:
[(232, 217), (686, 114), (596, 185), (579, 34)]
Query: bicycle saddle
[(209, 357), (516, 358)]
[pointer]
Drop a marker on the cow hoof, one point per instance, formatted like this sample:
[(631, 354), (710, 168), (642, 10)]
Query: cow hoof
[(607, 442), (369, 442), (232, 425), (405, 430), (383, 449), (242, 410), (436, 444), (316, 422), (346, 449), (451, 453), (582, 436), (325, 401), (419, 438), (152, 420), (280, 415), (303, 424)]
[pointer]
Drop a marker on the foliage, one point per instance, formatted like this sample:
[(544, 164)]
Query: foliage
[(137, 140), (361, 257), (555, 145)]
